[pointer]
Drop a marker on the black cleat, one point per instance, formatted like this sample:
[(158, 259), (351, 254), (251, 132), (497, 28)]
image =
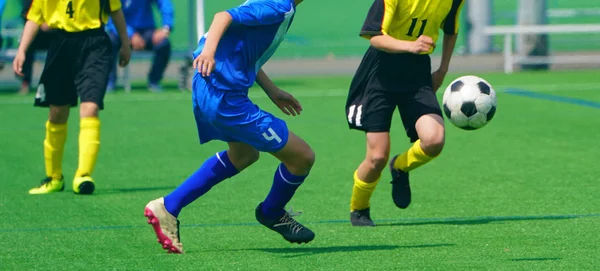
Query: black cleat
[(361, 218), (400, 186), (287, 226)]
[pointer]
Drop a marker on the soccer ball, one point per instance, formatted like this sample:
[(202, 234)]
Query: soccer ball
[(469, 102)]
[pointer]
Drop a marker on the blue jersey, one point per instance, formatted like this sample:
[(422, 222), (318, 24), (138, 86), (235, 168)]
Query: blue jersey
[(257, 30)]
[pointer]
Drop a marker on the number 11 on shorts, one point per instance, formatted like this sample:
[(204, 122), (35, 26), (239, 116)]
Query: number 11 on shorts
[(352, 119)]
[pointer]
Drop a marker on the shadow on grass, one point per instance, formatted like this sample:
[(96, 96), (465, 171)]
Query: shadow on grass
[(293, 252), (478, 220), (111, 191), (534, 259)]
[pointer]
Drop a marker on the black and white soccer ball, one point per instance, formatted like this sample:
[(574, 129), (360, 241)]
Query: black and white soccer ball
[(469, 102)]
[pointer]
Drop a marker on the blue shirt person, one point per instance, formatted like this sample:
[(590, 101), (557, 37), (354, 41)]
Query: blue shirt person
[(144, 35), (229, 61)]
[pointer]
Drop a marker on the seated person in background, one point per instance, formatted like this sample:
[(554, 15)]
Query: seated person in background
[(40, 42), (144, 35)]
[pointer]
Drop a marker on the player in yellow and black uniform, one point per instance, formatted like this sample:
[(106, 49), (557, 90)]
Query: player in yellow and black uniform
[(396, 72), (77, 65)]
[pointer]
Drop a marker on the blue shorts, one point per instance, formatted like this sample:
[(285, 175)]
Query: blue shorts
[(231, 117)]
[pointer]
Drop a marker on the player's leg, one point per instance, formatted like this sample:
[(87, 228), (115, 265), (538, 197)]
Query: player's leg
[(245, 122), (297, 159), (371, 111), (91, 79), (162, 55), (367, 176), (57, 92), (223, 165), (162, 213), (422, 119)]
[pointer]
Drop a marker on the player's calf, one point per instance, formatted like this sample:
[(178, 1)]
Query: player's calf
[(430, 129), (242, 155), (297, 160)]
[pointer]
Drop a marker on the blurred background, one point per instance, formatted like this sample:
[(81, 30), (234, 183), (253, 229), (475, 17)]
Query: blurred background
[(324, 38)]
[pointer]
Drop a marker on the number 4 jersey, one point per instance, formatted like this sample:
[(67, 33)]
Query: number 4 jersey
[(72, 15)]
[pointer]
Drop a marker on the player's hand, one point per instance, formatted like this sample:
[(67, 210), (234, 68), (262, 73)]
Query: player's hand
[(422, 44), (18, 63), (159, 36), (437, 78), (286, 102), (205, 64), (138, 42), (124, 55)]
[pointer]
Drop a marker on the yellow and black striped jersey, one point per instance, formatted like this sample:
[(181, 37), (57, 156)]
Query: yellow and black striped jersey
[(409, 19), (72, 15)]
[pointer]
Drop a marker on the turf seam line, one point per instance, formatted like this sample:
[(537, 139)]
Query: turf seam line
[(400, 221), (554, 98)]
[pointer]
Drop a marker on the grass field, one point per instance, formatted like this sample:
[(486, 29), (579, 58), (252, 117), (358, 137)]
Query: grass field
[(520, 194)]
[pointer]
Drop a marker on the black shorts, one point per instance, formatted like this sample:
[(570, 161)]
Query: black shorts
[(379, 87), (77, 65)]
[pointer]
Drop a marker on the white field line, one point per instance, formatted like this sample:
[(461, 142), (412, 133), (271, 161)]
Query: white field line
[(256, 94)]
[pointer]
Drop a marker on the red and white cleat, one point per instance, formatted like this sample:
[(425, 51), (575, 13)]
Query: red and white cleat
[(165, 226)]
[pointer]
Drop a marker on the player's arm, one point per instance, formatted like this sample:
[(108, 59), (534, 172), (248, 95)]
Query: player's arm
[(248, 14), (450, 27), (447, 50), (35, 18), (119, 21), (205, 62), (285, 101), (376, 25)]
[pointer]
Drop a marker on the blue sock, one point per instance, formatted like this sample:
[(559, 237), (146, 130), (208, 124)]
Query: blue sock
[(282, 191), (213, 171)]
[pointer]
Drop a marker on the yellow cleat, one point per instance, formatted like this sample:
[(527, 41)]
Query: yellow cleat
[(49, 185), (83, 185)]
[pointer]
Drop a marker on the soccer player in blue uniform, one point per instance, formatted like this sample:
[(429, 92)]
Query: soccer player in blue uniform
[(228, 62)]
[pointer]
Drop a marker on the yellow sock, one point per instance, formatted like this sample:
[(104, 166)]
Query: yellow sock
[(413, 158), (361, 193), (89, 144), (54, 146)]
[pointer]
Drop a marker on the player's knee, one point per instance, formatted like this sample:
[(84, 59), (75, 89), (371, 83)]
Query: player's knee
[(377, 161), (88, 109), (59, 114), (302, 163), (433, 143)]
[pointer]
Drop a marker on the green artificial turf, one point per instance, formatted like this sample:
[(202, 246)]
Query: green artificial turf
[(519, 194)]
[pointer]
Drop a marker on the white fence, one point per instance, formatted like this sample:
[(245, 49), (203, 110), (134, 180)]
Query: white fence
[(509, 31)]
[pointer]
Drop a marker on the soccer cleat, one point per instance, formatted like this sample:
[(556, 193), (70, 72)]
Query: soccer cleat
[(83, 185), (48, 185), (361, 218), (165, 225), (287, 226), (400, 186)]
